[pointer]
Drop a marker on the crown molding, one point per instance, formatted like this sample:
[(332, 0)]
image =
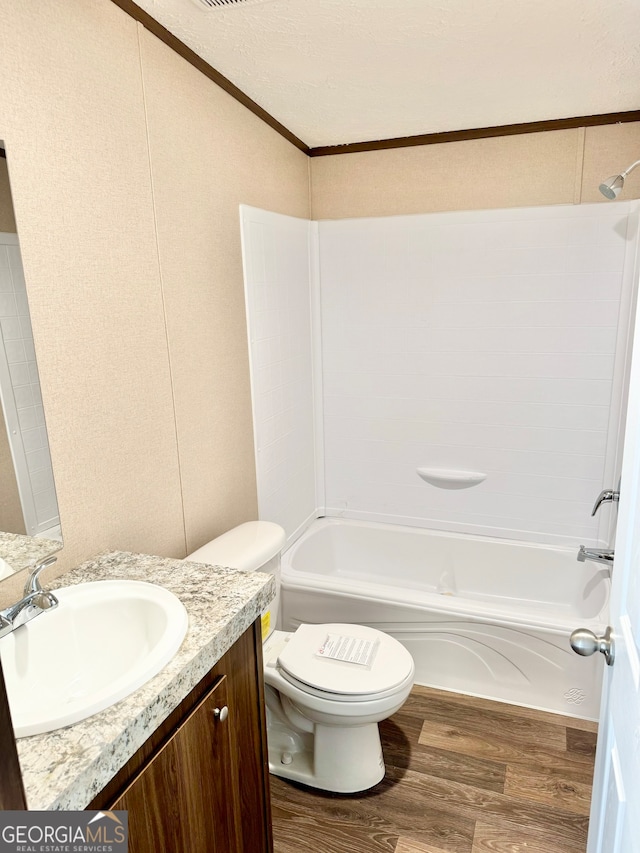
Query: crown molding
[(477, 133)]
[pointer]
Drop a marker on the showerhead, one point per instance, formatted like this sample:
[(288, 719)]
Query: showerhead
[(612, 187)]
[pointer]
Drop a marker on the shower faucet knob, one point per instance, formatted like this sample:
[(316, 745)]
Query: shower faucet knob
[(606, 496)]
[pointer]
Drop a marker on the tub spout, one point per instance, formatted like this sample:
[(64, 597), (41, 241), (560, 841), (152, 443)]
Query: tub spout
[(605, 556)]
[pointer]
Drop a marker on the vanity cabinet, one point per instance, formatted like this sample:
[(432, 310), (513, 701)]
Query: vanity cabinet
[(200, 783)]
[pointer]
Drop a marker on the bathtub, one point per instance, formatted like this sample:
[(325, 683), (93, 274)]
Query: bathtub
[(487, 617)]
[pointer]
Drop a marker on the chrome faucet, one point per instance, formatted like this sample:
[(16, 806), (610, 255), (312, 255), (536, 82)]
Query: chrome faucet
[(35, 601), (606, 496), (605, 556)]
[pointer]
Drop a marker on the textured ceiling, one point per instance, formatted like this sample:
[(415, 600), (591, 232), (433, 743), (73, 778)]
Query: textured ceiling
[(340, 71)]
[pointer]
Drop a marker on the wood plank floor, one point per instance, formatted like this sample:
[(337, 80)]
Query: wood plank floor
[(464, 775)]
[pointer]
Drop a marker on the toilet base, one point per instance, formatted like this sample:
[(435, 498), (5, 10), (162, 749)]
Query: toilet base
[(344, 760)]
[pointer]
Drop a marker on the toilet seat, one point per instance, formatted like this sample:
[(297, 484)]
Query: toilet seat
[(389, 669)]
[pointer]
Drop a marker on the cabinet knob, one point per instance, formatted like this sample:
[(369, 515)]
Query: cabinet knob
[(221, 713)]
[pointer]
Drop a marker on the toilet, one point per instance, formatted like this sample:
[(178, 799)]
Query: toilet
[(326, 686)]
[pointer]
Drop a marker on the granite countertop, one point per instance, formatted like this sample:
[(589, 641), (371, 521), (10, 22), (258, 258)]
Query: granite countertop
[(65, 769), (20, 551)]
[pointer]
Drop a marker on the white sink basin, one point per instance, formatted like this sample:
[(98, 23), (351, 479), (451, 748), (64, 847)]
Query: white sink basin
[(103, 641)]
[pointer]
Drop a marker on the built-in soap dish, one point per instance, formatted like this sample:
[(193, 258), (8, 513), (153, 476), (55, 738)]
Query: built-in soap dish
[(444, 478)]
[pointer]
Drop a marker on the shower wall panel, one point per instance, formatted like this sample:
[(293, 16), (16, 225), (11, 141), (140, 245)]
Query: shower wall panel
[(278, 290), (487, 341)]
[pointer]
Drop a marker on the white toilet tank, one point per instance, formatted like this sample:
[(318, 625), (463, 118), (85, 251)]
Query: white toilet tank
[(252, 546)]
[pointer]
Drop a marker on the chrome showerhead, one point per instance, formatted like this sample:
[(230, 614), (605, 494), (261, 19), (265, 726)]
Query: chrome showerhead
[(612, 187)]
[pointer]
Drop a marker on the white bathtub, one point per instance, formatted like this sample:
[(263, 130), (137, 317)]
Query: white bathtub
[(484, 616)]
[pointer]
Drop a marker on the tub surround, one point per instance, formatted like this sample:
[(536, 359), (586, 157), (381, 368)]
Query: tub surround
[(65, 769), (486, 346)]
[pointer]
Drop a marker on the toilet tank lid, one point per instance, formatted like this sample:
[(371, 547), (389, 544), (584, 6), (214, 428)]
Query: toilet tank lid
[(248, 546)]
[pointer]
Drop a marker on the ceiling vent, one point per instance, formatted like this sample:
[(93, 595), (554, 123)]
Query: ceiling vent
[(224, 4)]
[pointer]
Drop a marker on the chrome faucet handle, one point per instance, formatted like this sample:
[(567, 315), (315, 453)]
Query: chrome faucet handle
[(33, 581), (34, 601), (25, 610), (606, 496)]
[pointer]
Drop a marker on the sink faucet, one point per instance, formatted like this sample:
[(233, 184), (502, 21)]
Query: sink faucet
[(35, 601)]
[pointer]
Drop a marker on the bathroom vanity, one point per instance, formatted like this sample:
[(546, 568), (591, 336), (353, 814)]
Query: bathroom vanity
[(186, 753), (199, 782)]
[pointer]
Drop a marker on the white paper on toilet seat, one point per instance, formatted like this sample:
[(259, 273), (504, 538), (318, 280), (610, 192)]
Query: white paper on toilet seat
[(348, 649)]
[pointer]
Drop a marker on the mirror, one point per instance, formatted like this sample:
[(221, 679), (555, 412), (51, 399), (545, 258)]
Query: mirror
[(29, 517)]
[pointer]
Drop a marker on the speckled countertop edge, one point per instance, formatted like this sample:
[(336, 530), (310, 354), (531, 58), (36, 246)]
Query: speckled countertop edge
[(65, 769)]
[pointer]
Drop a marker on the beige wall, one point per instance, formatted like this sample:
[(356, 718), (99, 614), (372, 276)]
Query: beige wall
[(127, 169), (558, 167), (200, 174)]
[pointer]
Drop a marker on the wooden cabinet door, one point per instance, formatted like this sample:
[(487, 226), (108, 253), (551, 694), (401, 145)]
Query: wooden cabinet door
[(186, 797)]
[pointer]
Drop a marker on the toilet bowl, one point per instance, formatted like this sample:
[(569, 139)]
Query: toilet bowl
[(326, 686)]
